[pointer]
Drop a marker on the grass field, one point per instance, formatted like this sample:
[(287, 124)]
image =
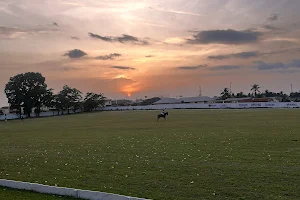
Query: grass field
[(195, 154)]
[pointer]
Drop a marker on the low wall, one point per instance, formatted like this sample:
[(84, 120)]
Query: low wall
[(176, 106), (62, 191), (209, 106), (42, 114)]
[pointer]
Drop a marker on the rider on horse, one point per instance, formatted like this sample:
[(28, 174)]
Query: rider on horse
[(162, 112)]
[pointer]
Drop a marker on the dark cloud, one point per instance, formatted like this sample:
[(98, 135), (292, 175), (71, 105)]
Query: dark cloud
[(16, 32), (225, 37), (123, 68), (55, 24), (244, 55), (252, 54), (273, 17), (111, 56), (191, 67), (75, 53), (224, 67), (70, 68), (149, 56), (271, 28), (261, 65), (75, 38), (294, 63), (123, 39)]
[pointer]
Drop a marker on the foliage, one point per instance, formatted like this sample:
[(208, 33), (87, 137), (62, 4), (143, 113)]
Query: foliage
[(240, 95), (27, 90), (93, 101), (69, 98), (255, 89), (225, 94)]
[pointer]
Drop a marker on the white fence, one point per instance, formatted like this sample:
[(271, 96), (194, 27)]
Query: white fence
[(62, 191), (42, 114), (177, 106), (210, 106)]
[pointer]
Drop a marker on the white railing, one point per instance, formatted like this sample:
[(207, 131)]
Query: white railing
[(177, 106), (210, 106)]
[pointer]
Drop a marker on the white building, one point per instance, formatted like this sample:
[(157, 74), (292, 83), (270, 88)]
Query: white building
[(5, 110), (199, 99), (108, 102)]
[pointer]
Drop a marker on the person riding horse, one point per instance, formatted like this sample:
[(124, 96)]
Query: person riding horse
[(162, 114)]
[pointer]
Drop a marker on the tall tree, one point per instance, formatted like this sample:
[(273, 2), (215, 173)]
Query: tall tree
[(70, 98), (46, 100), (58, 103), (26, 90), (93, 101), (255, 90), (225, 94)]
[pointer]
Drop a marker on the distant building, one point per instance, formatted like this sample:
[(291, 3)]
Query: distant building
[(5, 110), (250, 99), (167, 101), (237, 100), (199, 99), (139, 101), (108, 102), (122, 102)]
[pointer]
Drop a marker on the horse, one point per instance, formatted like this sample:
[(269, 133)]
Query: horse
[(162, 115)]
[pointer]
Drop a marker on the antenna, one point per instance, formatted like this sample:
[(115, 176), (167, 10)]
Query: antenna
[(230, 88), (200, 91), (291, 88)]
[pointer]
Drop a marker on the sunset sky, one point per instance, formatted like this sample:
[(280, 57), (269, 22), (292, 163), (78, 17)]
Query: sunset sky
[(152, 47)]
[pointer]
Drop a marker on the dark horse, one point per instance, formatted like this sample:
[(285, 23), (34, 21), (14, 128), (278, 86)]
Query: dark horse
[(162, 115)]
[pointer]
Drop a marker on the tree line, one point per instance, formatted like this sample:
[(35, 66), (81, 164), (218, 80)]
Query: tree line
[(256, 93), (30, 92)]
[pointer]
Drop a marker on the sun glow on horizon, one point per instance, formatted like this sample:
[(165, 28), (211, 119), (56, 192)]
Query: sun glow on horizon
[(121, 76)]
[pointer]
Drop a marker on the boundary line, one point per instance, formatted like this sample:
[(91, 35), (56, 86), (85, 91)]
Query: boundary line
[(63, 191)]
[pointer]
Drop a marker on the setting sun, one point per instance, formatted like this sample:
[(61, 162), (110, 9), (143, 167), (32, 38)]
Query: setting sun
[(128, 94)]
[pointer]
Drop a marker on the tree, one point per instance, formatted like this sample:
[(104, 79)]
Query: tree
[(93, 101), (255, 89), (46, 100), (26, 90), (225, 94), (58, 103), (240, 95), (70, 98)]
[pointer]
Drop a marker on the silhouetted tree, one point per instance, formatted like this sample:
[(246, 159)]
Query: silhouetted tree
[(69, 98), (225, 94), (240, 95), (255, 90), (26, 90), (93, 101)]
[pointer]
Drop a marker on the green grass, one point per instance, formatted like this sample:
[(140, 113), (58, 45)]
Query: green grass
[(11, 194), (195, 154)]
